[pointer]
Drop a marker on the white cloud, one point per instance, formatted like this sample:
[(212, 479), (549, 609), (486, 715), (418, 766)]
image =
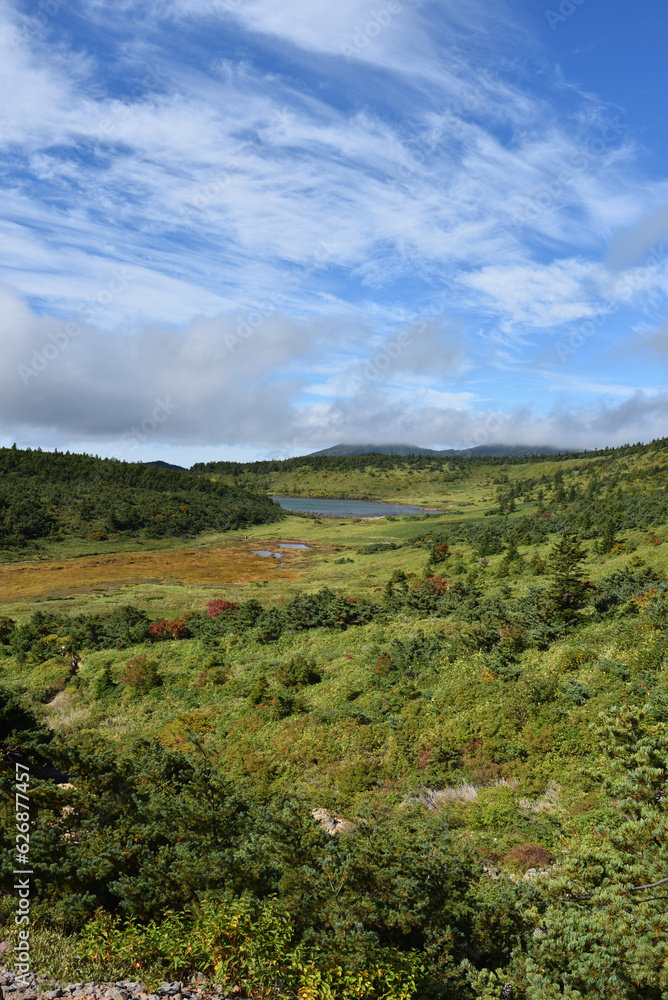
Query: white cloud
[(221, 382), (397, 34), (544, 297), (333, 194), (630, 245), (225, 180)]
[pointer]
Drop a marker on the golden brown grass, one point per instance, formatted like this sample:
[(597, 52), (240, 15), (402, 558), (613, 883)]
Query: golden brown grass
[(210, 565)]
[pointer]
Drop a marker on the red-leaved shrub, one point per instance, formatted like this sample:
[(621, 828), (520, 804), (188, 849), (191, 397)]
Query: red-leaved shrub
[(440, 552), (168, 630), (215, 608), (141, 674)]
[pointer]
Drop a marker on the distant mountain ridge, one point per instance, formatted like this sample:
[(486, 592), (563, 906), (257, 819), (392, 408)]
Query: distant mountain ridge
[(512, 450)]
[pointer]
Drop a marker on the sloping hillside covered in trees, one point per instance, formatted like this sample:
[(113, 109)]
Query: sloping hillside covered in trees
[(47, 497)]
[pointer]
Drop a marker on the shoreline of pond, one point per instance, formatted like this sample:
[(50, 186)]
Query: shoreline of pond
[(392, 508)]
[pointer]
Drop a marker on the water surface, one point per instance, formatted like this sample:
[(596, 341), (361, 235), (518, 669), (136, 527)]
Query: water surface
[(346, 508)]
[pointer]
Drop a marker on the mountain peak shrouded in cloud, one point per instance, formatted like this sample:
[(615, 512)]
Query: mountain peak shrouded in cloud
[(410, 449), (265, 226)]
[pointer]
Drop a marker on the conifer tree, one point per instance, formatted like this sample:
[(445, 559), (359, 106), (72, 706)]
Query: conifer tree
[(608, 539), (568, 587), (604, 932)]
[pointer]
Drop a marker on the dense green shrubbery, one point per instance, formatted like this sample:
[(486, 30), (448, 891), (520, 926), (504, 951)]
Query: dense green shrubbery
[(369, 550), (438, 721), (146, 832), (46, 495), (45, 634), (536, 618), (163, 868), (604, 928), (324, 609)]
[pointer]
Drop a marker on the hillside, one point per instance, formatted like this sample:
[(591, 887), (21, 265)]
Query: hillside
[(424, 756), (51, 498), (416, 479), (507, 450)]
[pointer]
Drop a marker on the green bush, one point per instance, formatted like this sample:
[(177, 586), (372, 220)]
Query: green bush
[(297, 672), (368, 550)]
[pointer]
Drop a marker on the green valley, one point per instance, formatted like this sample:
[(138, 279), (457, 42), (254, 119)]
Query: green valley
[(424, 756)]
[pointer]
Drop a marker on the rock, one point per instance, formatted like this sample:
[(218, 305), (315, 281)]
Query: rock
[(332, 824), (31, 987)]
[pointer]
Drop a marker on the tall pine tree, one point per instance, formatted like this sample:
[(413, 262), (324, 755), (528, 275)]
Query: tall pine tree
[(568, 587)]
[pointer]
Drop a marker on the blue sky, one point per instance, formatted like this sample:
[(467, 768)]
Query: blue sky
[(242, 228)]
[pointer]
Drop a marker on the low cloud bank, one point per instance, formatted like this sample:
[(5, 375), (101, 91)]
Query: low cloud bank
[(271, 382)]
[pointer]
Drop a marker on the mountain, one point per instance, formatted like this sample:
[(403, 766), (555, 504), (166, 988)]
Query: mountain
[(412, 449), (166, 465)]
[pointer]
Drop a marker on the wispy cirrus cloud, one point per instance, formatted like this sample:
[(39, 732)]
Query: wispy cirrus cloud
[(265, 157)]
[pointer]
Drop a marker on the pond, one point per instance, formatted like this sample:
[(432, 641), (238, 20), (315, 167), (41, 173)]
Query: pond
[(346, 508), (279, 555)]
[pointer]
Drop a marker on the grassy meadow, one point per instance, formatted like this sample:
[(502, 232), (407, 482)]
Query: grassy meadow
[(460, 707)]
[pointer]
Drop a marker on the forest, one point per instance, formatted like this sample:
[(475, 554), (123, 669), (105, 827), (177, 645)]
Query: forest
[(53, 497), (426, 758)]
